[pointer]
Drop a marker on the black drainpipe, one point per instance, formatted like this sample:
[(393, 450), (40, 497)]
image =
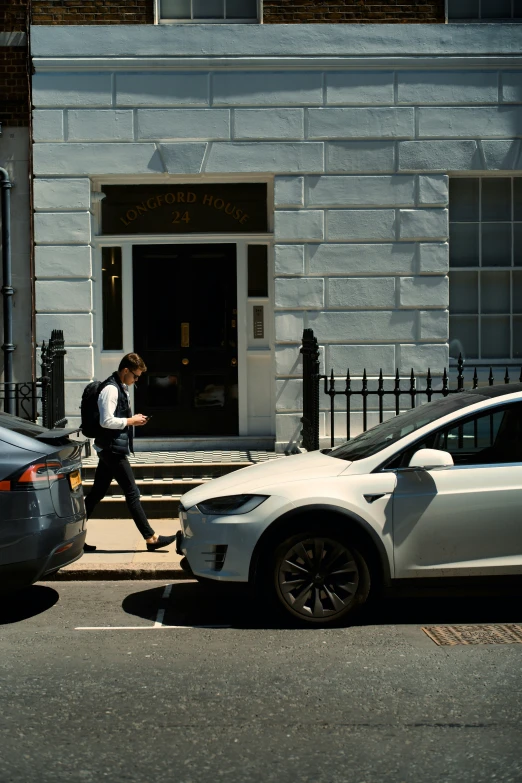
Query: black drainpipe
[(7, 289)]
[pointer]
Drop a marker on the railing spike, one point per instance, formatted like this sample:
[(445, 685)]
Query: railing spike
[(460, 374)]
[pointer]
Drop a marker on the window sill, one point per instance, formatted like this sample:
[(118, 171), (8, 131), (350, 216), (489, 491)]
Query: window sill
[(208, 21)]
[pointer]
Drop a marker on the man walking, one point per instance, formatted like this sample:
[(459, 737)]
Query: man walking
[(114, 445)]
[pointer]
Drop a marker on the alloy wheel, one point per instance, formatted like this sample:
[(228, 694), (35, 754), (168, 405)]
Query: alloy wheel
[(318, 578)]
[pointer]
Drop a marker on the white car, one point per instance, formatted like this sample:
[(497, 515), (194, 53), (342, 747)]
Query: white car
[(434, 492)]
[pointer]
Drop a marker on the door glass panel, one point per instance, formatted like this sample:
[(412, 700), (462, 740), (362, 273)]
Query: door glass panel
[(209, 391), (517, 292), (496, 9), (488, 438), (471, 437), (257, 270), (464, 244), (517, 337), (517, 244), (495, 336), (464, 199), (112, 299), (494, 292), (496, 199), (208, 9), (517, 198), (175, 9), (241, 9), (496, 244), (463, 9), (463, 336), (464, 292), (517, 9)]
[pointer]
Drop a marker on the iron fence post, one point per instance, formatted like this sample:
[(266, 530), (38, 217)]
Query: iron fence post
[(310, 418)]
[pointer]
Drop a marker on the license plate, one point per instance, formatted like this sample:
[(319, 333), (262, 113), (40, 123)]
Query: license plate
[(75, 479)]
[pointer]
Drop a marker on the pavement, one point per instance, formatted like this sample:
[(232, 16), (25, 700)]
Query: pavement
[(122, 553)]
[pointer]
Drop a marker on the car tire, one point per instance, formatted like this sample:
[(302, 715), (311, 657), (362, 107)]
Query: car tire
[(319, 577)]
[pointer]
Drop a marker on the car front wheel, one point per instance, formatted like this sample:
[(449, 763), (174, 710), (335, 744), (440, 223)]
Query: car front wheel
[(319, 578)]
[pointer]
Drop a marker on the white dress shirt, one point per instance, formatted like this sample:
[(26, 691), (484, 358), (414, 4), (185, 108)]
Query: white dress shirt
[(107, 403)]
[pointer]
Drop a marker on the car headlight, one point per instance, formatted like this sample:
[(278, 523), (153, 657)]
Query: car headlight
[(233, 504)]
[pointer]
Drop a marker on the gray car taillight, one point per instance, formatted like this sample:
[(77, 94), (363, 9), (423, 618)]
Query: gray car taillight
[(37, 475)]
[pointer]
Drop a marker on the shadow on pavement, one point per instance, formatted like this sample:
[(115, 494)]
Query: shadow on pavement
[(193, 604), (26, 603)]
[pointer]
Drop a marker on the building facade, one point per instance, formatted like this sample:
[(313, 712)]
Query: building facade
[(204, 189)]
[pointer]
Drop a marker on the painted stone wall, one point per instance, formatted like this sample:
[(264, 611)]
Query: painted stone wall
[(360, 157)]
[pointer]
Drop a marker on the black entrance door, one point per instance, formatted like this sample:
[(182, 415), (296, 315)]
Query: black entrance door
[(185, 328)]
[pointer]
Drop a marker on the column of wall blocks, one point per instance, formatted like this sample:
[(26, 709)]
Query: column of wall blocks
[(360, 162)]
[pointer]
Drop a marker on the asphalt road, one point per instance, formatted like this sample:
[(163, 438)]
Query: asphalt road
[(256, 701)]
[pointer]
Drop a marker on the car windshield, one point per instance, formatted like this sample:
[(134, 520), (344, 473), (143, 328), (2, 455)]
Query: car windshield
[(21, 426), (392, 430)]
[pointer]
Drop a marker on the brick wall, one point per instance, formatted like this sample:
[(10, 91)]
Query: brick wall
[(93, 12), (352, 11), (275, 11), (13, 66), (13, 86), (13, 15)]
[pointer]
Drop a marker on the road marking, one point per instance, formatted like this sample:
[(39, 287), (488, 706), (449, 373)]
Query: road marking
[(144, 627), (161, 612), (158, 624), (159, 618), (167, 591)]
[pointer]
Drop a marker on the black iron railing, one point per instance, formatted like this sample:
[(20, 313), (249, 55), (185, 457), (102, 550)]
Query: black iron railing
[(53, 381), (45, 397), (20, 399), (372, 392)]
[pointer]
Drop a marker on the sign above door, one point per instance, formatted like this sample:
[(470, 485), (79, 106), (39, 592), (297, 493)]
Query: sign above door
[(184, 209)]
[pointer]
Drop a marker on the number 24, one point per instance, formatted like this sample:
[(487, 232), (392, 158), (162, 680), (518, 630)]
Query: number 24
[(177, 217)]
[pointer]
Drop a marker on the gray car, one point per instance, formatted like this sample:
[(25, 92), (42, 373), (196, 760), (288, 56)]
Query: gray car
[(42, 511)]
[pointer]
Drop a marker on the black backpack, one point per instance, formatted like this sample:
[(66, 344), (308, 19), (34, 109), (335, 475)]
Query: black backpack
[(91, 426)]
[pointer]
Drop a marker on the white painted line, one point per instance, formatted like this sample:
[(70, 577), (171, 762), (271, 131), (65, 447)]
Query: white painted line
[(167, 591), (116, 628), (161, 612), (145, 627), (159, 618)]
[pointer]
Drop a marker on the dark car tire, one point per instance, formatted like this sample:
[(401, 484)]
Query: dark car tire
[(318, 577)]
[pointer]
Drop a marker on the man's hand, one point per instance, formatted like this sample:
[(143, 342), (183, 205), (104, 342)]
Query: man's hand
[(138, 420)]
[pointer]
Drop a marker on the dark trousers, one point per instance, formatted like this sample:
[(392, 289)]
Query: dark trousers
[(116, 466)]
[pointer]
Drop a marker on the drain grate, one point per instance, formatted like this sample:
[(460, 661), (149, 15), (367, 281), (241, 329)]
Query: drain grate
[(474, 634)]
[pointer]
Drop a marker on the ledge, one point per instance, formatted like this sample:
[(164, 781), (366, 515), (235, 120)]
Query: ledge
[(266, 41)]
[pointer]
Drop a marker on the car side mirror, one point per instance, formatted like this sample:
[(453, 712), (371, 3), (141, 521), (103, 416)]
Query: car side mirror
[(431, 458)]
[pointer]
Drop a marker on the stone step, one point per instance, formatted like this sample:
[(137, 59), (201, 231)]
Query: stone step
[(174, 472), (156, 507), (163, 477), (149, 487)]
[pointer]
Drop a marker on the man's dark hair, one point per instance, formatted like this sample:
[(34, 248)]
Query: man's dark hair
[(132, 362)]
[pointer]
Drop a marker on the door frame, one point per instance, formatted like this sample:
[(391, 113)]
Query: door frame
[(103, 360)]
